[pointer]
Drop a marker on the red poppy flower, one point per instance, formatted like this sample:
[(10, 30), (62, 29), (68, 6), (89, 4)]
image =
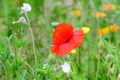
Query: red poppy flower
[(65, 39)]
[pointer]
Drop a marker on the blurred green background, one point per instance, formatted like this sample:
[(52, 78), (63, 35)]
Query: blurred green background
[(16, 53)]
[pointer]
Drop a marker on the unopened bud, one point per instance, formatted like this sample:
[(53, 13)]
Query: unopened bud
[(51, 57)]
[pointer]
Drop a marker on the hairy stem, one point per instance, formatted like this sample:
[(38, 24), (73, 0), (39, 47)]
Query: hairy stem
[(33, 41)]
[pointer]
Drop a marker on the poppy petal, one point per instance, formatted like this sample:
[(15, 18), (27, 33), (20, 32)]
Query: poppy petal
[(65, 48), (78, 37), (62, 32)]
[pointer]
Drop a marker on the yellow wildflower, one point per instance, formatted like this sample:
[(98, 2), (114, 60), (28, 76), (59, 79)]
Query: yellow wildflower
[(103, 31), (106, 30), (109, 7), (73, 51), (76, 12), (100, 15), (113, 6), (114, 28), (85, 29), (103, 15)]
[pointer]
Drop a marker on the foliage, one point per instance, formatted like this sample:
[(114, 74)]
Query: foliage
[(98, 58)]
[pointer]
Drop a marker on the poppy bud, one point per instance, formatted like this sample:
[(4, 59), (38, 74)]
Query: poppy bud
[(51, 57)]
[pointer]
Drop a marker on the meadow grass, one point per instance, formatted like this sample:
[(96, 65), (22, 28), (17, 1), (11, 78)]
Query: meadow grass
[(25, 50)]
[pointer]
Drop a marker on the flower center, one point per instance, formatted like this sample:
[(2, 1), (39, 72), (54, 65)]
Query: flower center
[(67, 40)]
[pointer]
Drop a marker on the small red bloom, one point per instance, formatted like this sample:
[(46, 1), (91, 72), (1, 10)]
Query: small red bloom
[(65, 39)]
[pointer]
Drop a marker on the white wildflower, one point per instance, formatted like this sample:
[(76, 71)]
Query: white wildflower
[(68, 2), (66, 67), (26, 7), (45, 65), (20, 20), (54, 23)]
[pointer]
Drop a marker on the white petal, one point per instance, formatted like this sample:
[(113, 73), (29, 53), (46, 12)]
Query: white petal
[(66, 67), (26, 7)]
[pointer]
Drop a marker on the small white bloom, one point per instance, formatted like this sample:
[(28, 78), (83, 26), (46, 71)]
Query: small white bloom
[(20, 20), (45, 65), (68, 2), (54, 23), (26, 7), (66, 67), (14, 22)]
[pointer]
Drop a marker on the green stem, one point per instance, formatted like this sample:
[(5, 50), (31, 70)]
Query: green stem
[(79, 64), (33, 41), (98, 65), (15, 52), (5, 6), (32, 71)]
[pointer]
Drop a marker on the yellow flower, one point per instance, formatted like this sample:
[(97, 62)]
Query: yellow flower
[(85, 29), (73, 51), (114, 28), (113, 6), (106, 7), (76, 12), (103, 31), (106, 30), (109, 7), (103, 15), (100, 15)]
